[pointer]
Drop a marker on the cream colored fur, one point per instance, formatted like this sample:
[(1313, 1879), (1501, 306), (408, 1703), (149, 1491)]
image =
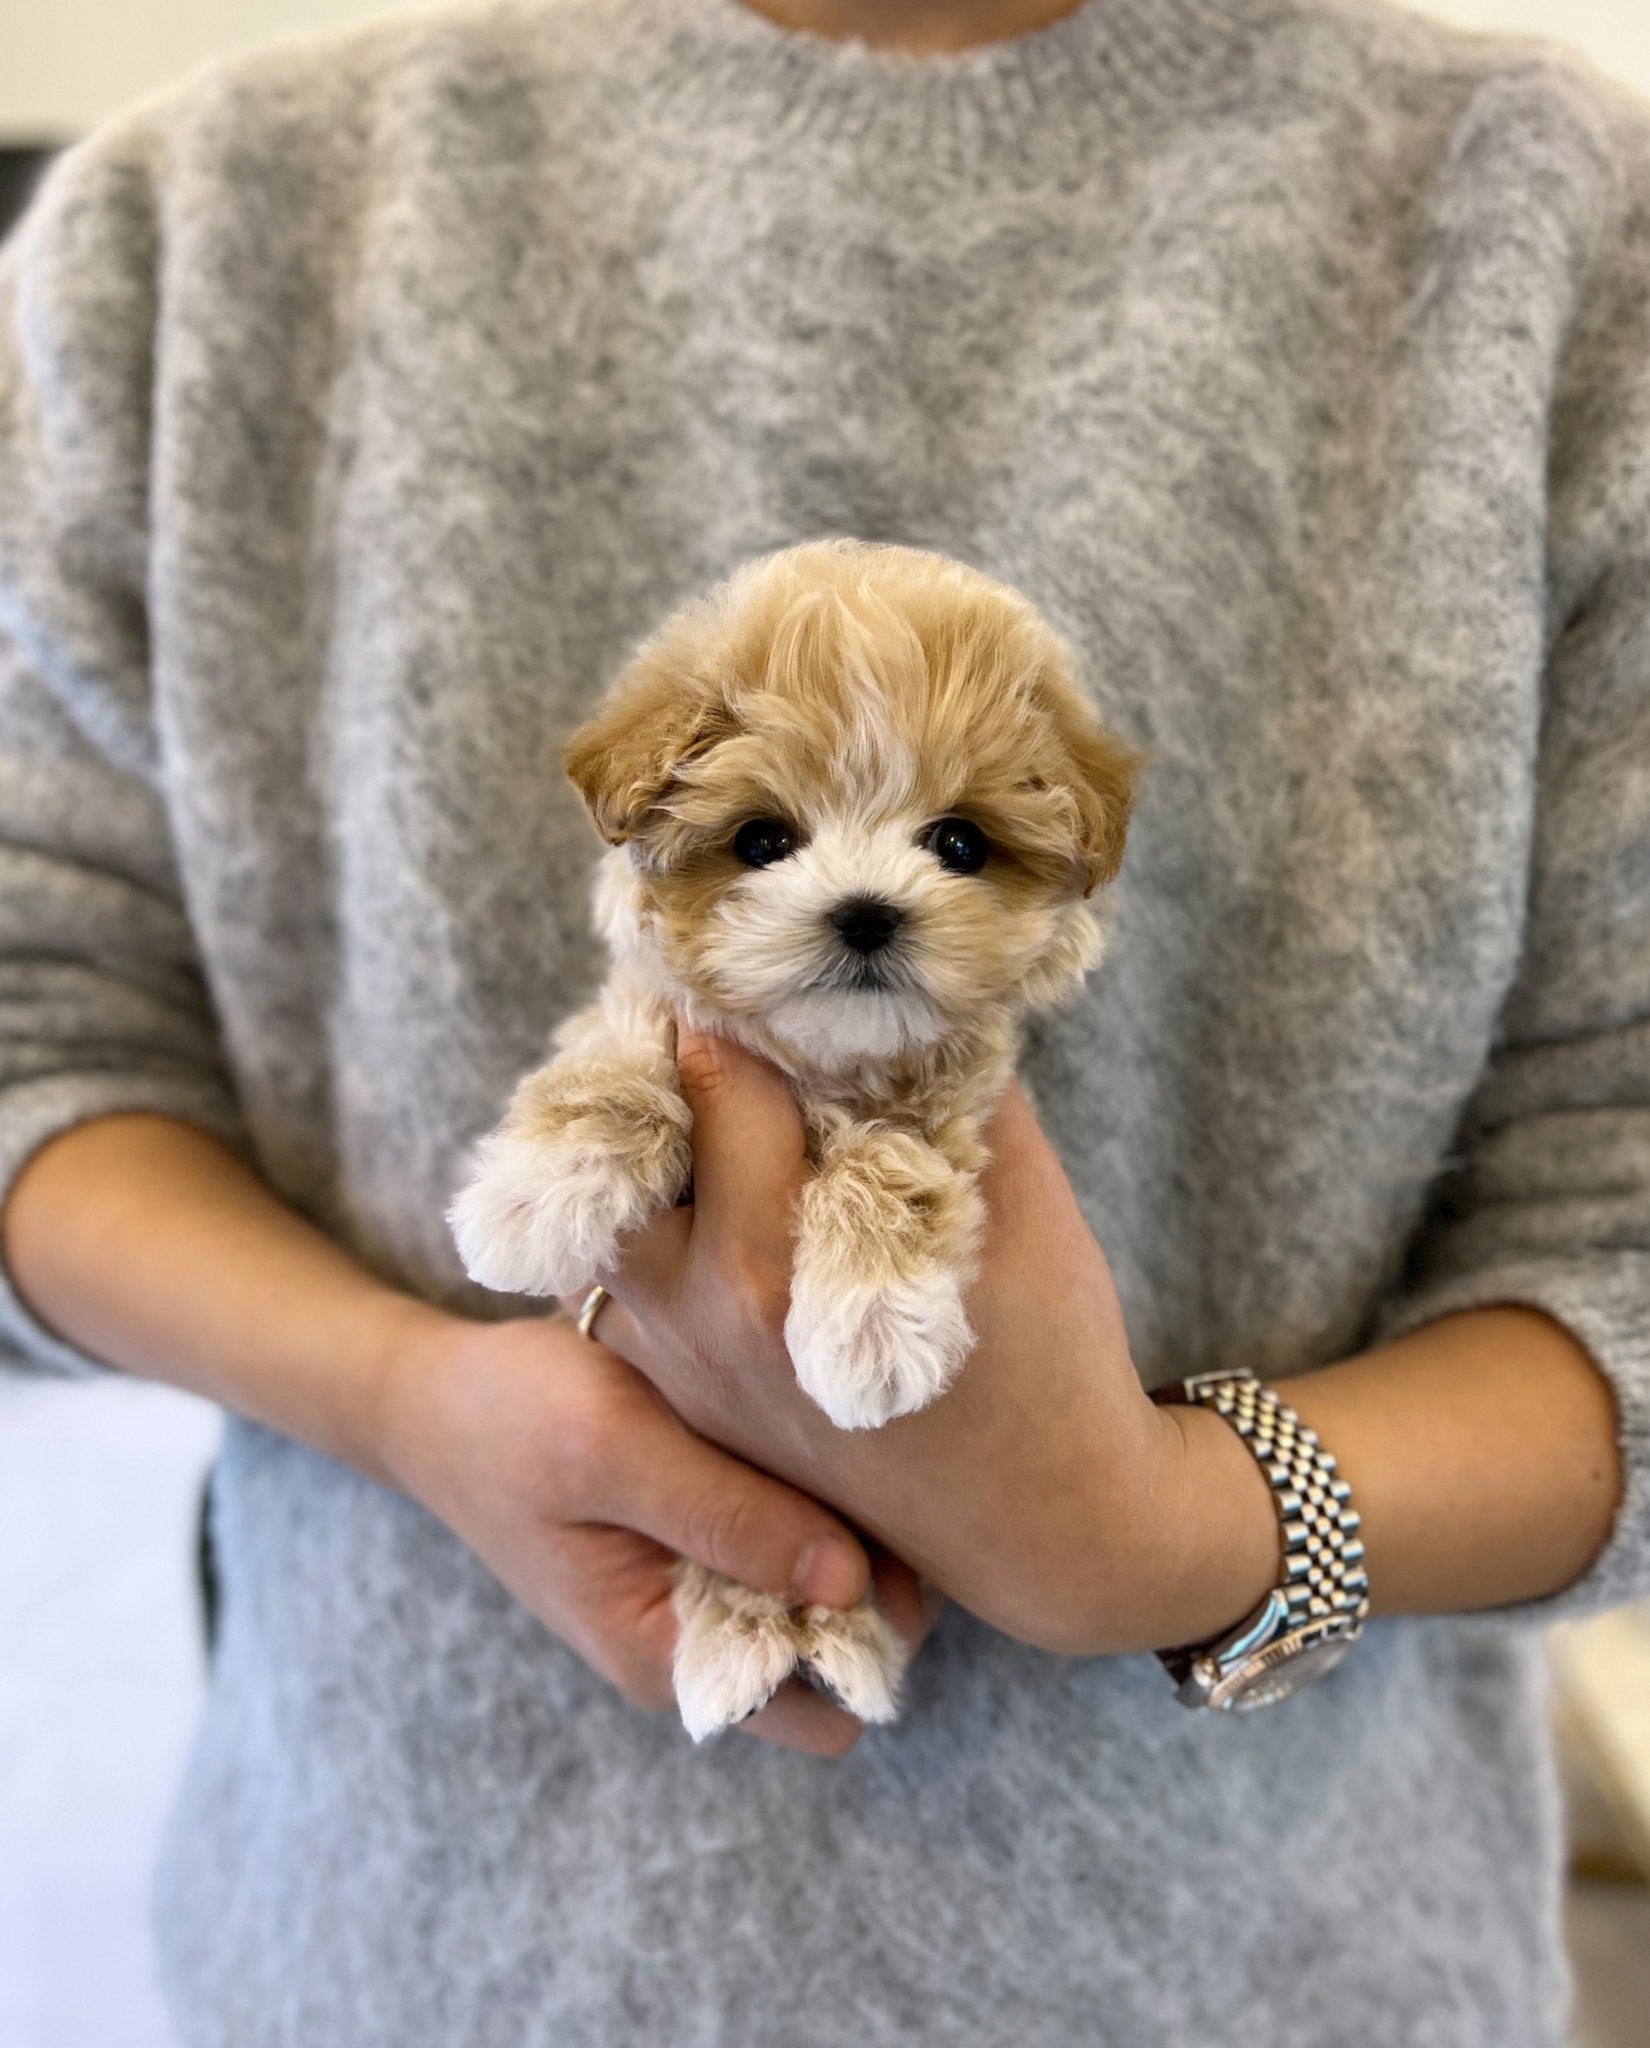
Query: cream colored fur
[(857, 694)]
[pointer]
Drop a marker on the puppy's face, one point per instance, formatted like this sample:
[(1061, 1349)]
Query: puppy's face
[(862, 798)]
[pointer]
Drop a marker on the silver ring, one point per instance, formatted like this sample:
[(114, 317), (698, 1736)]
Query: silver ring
[(591, 1307)]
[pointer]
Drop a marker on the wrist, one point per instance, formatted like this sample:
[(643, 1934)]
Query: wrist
[(1226, 1553), (408, 1341), (1194, 1552)]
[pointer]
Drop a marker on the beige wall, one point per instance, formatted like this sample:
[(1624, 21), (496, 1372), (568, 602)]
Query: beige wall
[(1615, 34), (67, 63)]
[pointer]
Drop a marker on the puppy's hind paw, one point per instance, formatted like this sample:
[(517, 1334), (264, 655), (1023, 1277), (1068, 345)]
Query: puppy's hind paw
[(734, 1649), (540, 1218), (858, 1656), (869, 1353)]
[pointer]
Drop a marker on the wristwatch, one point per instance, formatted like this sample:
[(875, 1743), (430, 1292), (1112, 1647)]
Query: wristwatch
[(1306, 1625)]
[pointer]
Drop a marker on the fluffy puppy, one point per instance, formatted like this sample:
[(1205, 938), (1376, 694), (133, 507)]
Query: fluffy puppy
[(857, 808)]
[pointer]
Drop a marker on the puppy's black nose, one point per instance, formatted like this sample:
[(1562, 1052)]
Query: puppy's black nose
[(866, 923)]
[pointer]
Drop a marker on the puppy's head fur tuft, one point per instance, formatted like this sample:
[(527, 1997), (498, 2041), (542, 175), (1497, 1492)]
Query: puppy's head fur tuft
[(659, 718)]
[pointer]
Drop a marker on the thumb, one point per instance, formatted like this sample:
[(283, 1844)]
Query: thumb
[(722, 1513), (1022, 1165), (750, 1153)]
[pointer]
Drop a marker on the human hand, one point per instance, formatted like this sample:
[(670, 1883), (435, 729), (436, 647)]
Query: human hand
[(1044, 1492), (569, 1477)]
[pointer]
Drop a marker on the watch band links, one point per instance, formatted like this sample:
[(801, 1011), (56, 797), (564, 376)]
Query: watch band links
[(1322, 1577)]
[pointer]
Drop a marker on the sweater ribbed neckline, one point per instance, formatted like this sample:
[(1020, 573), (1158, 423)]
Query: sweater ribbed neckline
[(1036, 97)]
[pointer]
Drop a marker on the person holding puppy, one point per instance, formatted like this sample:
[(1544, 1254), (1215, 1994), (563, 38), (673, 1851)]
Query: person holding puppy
[(365, 403)]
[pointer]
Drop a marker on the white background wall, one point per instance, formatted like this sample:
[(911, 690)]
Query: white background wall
[(67, 63)]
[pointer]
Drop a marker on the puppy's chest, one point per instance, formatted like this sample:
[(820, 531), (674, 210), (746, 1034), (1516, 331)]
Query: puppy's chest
[(943, 1112), (831, 1108)]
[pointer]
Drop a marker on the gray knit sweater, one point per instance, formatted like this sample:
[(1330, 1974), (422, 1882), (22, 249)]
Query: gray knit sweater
[(361, 405)]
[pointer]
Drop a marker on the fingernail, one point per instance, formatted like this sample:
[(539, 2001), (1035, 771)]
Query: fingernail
[(828, 1574)]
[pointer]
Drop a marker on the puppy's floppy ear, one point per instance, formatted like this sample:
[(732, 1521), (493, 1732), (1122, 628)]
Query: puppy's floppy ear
[(658, 715), (1099, 770)]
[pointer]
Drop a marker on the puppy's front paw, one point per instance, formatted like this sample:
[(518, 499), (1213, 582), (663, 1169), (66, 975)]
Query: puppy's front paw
[(868, 1352), (543, 1217)]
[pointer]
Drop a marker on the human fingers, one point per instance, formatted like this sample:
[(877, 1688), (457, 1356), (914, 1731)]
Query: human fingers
[(910, 1603), (568, 1476), (1012, 1133), (798, 1717), (674, 1487), (617, 1614), (749, 1162), (611, 1323), (749, 1151), (649, 1269)]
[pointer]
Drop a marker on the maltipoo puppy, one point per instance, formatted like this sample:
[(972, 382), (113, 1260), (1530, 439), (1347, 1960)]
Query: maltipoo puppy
[(858, 809)]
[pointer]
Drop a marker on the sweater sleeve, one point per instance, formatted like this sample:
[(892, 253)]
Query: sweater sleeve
[(103, 1006), (1546, 1202)]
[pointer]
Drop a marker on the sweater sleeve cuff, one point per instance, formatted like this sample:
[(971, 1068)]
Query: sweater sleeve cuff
[(33, 1112), (1603, 1300)]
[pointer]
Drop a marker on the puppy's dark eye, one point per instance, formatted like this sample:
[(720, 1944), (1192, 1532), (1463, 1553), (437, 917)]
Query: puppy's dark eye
[(958, 844), (759, 842)]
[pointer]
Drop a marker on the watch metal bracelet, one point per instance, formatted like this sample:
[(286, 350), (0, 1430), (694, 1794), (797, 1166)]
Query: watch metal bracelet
[(1319, 1606)]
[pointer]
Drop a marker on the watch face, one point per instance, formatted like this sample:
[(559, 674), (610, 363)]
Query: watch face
[(1274, 1673)]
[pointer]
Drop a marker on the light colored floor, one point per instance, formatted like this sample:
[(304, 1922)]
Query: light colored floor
[(100, 1674)]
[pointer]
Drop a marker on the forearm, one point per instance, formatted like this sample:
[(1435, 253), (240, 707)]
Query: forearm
[(1482, 1455), (154, 1247), (1044, 1492)]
